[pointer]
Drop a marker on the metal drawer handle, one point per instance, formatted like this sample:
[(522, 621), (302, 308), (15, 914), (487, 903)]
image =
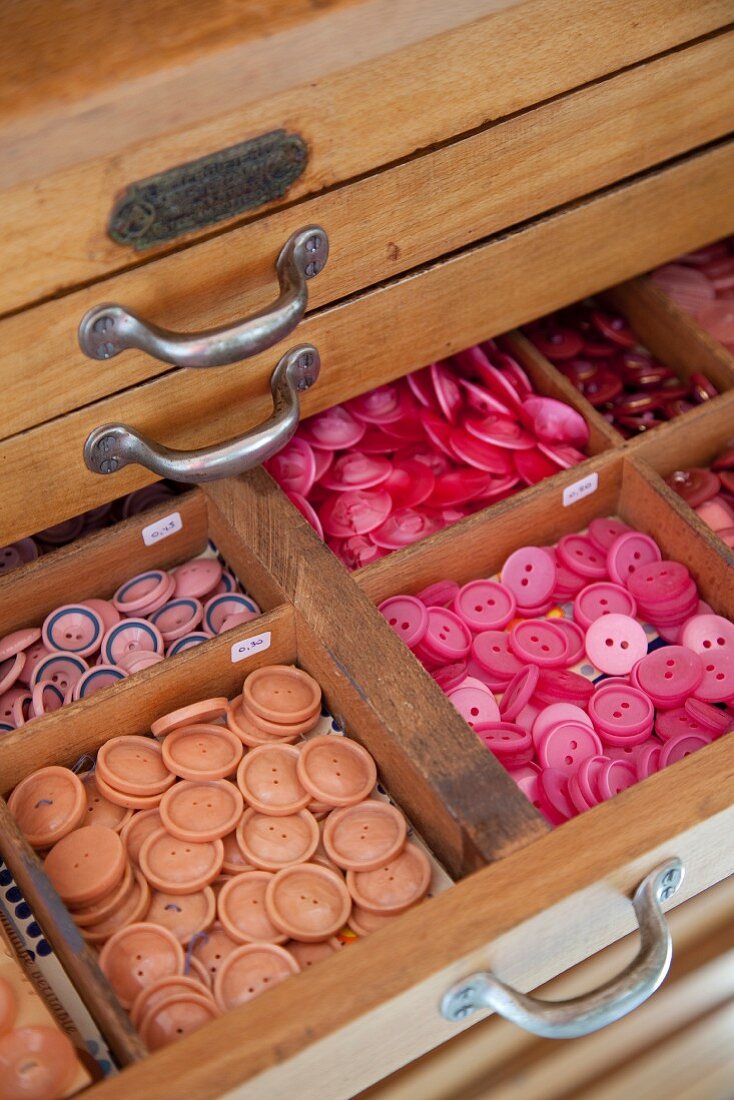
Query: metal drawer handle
[(106, 330), (592, 1011), (112, 446)]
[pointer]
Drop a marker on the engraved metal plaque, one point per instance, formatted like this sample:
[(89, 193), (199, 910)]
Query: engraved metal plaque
[(209, 190)]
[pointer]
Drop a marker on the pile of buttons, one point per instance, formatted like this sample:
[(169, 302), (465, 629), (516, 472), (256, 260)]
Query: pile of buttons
[(216, 862), (710, 492), (391, 467), (600, 354), (702, 283), (553, 669), (37, 1059), (28, 549), (81, 648)]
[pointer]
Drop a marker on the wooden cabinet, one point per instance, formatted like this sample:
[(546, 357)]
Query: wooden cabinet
[(475, 167)]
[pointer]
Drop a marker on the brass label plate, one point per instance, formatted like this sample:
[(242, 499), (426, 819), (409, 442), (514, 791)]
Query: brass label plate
[(211, 189)]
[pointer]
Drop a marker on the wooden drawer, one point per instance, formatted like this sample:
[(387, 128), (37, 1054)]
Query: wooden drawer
[(384, 332), (529, 902), (77, 133)]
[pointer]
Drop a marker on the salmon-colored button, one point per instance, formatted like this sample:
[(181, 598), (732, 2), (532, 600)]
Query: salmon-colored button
[(183, 914), (362, 837), (336, 770), (364, 923), (234, 861), (179, 866), (48, 805), (251, 970), (36, 1063), (308, 954), (161, 991), (86, 864), (274, 842), (137, 829), (281, 693), (100, 910), (129, 911), (175, 1017), (134, 765), (211, 950), (284, 731), (242, 910), (197, 578), (129, 801), (268, 779), (248, 733), (8, 1006), (395, 886), (308, 902), (201, 811), (137, 956), (198, 971), (202, 751), (207, 710)]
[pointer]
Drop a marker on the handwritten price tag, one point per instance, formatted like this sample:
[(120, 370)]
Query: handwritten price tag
[(162, 528), (580, 489), (248, 646)]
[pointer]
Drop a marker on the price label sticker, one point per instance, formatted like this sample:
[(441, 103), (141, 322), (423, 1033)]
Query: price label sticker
[(162, 528), (248, 646), (580, 489)]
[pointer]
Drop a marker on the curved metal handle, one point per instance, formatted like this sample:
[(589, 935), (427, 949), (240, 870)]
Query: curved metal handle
[(109, 448), (106, 330), (592, 1011)]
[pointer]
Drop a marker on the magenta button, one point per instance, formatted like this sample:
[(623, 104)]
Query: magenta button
[(603, 531), (332, 430), (533, 466), (557, 714), (447, 390), (519, 693), (450, 676), (553, 789), (565, 745), (622, 714), (294, 468), (404, 527), (659, 582), (629, 552), (458, 487), (577, 552), (614, 777), (500, 431), (479, 453), (530, 574), (553, 421), (509, 742), (447, 638), (356, 471), (704, 633), (485, 605), (717, 684), (440, 594), (648, 760), (602, 598), (669, 675), (409, 483), (575, 637), (682, 745), (563, 685), (673, 723), (407, 616), (491, 650), (615, 643), (355, 513), (308, 513), (711, 718), (475, 702), (539, 641)]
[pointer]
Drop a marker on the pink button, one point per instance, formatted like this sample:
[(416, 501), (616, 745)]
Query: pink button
[(177, 618), (17, 641), (355, 512), (131, 635), (711, 718), (628, 552), (553, 421), (382, 405), (139, 592), (408, 617), (602, 598), (440, 594), (485, 605), (615, 643), (409, 483), (587, 778), (508, 741), (614, 777), (459, 486), (450, 676), (491, 650), (717, 685), (555, 714), (673, 723), (33, 656), (622, 714), (539, 641), (604, 530), (648, 760), (447, 638), (563, 685), (519, 693), (575, 637), (564, 746), (306, 510), (332, 430), (682, 745), (704, 633), (404, 527), (356, 471), (197, 578), (479, 453), (500, 431), (554, 798), (533, 466), (659, 582), (10, 671), (219, 609), (475, 702), (670, 674), (577, 552), (294, 468), (447, 390), (530, 574), (61, 669)]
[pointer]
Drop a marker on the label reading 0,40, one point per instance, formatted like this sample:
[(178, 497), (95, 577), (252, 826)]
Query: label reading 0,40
[(580, 489), (248, 646)]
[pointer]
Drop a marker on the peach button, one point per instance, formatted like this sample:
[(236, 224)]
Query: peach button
[(199, 972), (364, 923), (362, 837), (179, 866), (211, 952), (137, 956), (103, 908), (134, 765), (202, 752), (268, 778), (183, 914), (86, 864), (248, 733), (336, 770), (275, 842), (308, 902), (160, 991), (201, 811), (99, 810), (8, 1006), (180, 1014), (243, 912), (284, 731), (234, 861), (48, 805), (281, 693), (251, 970), (129, 801), (308, 954), (204, 711), (137, 829), (395, 886), (36, 1063), (130, 911)]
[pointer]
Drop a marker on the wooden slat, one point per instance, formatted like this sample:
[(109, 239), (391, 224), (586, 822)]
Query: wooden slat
[(695, 440), (385, 224), (432, 744), (398, 103), (386, 332)]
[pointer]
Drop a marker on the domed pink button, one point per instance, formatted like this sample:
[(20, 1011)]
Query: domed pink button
[(555, 422), (408, 617), (197, 578), (131, 635), (629, 552), (356, 471), (530, 574), (355, 512), (404, 527), (615, 643), (334, 429), (294, 468), (409, 483)]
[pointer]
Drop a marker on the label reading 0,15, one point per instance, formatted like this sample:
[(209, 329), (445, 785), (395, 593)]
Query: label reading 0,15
[(247, 646), (162, 528), (580, 489)]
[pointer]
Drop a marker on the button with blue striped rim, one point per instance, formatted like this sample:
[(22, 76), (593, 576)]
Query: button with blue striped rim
[(178, 617), (129, 635), (46, 698), (62, 669), (141, 591), (187, 642), (73, 628), (102, 676), (220, 608)]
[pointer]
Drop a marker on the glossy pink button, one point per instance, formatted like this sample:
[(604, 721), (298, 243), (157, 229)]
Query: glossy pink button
[(333, 429), (615, 643), (446, 638), (408, 617), (539, 641), (704, 633), (669, 675), (682, 745), (356, 471), (294, 467), (629, 552), (602, 598), (440, 594), (491, 650), (621, 714), (404, 527), (717, 683), (519, 693), (557, 714), (614, 777), (530, 574), (563, 685), (197, 578), (565, 745), (604, 530), (555, 422), (409, 483), (577, 552), (355, 512), (475, 702), (485, 605), (508, 741), (554, 799)]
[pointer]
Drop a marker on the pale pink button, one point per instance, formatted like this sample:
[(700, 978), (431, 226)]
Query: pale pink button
[(629, 552), (564, 746), (197, 578), (704, 633), (475, 702), (356, 471), (615, 643), (334, 429), (530, 574), (556, 714), (555, 422), (485, 605)]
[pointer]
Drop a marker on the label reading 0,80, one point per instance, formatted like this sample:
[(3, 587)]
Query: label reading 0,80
[(248, 646), (162, 528), (580, 489)]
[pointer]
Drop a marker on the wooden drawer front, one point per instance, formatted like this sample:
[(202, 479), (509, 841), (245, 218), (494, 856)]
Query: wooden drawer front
[(383, 225), (384, 333), (554, 897), (66, 161)]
